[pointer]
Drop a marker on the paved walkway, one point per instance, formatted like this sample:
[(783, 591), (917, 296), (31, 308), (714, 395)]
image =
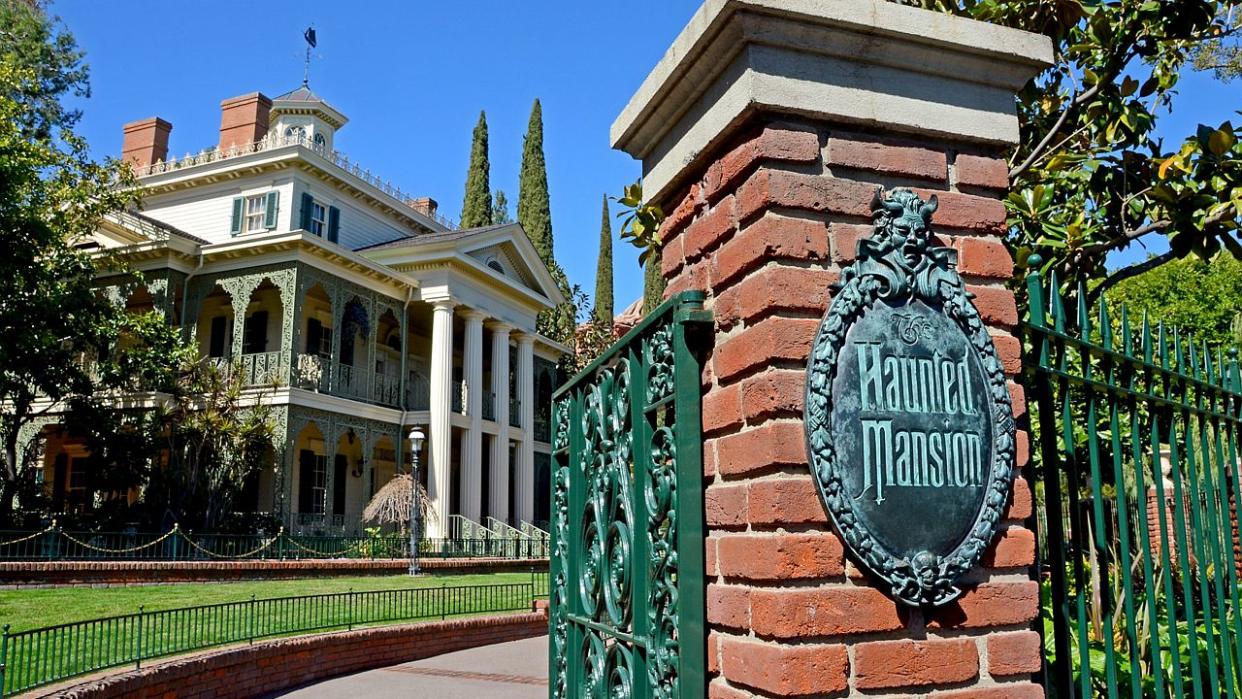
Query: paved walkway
[(515, 670)]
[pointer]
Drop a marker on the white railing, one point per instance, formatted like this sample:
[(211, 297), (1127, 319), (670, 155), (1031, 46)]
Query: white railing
[(462, 528), (503, 529), (533, 532), (273, 141)]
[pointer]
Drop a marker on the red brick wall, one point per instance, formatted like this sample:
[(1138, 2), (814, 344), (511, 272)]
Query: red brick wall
[(271, 666), (765, 230)]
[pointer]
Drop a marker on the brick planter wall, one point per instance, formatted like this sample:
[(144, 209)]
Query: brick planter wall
[(270, 666), (765, 229), (18, 574)]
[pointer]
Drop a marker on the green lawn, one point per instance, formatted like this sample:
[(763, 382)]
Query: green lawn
[(42, 657), (33, 608)]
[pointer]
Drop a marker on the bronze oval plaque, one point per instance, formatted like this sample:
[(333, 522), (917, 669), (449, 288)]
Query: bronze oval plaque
[(908, 421)]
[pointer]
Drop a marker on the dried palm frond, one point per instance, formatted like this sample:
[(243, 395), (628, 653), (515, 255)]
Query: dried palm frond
[(391, 504)]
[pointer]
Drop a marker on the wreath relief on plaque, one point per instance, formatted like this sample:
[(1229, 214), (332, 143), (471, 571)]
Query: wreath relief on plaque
[(909, 426)]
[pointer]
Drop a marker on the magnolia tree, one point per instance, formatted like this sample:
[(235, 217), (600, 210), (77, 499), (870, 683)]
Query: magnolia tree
[(1090, 176), (53, 195)]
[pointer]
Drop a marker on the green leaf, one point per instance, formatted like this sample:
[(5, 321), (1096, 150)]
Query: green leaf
[(1221, 142)]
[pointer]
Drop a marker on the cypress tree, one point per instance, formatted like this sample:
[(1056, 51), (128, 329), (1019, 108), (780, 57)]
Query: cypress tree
[(603, 271), (534, 208), (500, 208), (476, 208), (653, 282)]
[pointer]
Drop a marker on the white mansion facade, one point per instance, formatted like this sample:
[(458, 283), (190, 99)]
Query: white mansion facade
[(280, 255)]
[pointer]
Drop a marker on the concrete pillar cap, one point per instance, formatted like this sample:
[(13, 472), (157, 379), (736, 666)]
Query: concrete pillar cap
[(870, 63)]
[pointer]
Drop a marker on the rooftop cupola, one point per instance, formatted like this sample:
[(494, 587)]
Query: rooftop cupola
[(302, 114)]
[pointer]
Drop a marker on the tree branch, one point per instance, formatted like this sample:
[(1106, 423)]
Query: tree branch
[(1127, 272)]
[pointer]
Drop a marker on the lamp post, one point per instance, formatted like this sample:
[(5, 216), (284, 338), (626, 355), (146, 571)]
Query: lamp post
[(416, 445)]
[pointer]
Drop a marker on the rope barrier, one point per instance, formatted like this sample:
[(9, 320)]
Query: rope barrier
[(131, 549), (327, 554), (27, 537), (247, 554)]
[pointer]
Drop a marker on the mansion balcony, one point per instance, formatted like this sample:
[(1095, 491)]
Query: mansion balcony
[(299, 327)]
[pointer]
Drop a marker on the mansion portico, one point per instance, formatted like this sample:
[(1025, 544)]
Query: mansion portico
[(368, 312)]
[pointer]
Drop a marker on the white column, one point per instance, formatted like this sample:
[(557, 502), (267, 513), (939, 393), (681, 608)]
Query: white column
[(499, 477), (439, 436), (526, 450), (471, 497)]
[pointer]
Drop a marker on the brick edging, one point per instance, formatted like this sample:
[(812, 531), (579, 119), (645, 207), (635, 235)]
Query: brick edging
[(271, 666), (16, 574)]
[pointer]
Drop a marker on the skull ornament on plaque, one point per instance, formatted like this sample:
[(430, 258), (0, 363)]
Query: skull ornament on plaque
[(909, 426)]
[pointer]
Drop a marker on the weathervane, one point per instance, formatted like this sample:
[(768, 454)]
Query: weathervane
[(311, 43)]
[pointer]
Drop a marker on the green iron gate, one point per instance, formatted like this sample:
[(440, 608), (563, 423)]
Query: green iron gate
[(1138, 438), (627, 576)]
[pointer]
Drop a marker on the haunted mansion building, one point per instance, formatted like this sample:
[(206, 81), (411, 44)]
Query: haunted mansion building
[(368, 312)]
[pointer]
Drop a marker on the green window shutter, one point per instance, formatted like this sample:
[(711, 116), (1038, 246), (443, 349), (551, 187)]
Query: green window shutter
[(236, 226), (334, 224), (307, 202), (269, 216)]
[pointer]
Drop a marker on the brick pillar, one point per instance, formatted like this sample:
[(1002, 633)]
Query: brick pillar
[(767, 156)]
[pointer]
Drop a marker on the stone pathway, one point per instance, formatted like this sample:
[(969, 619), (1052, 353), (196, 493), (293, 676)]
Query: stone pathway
[(515, 670)]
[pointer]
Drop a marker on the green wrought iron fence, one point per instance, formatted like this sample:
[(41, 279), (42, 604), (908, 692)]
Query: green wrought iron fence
[(1137, 435), (627, 604), (39, 657), (56, 544)]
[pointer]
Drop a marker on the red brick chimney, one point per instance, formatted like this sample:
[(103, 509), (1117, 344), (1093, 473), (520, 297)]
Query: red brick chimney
[(425, 206), (146, 141), (243, 119)]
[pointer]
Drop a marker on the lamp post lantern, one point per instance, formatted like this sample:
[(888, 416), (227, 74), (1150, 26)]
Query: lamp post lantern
[(416, 445)]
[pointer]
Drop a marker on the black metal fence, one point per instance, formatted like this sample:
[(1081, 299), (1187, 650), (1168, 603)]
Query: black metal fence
[(39, 657), (56, 544)]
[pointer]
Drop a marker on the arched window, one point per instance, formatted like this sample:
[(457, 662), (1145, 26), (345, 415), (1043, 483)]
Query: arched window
[(320, 142), (295, 133), (495, 264)]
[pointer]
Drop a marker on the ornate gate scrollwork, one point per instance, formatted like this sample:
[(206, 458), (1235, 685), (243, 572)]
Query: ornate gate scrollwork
[(627, 602)]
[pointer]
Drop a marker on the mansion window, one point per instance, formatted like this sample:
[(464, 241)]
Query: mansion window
[(254, 213), (295, 133), (318, 218), (256, 207), (312, 482)]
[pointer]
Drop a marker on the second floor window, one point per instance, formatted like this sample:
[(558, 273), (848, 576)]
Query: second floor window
[(256, 208), (254, 213), (318, 218)]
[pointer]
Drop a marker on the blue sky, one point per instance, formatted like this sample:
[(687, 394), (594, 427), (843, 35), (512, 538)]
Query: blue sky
[(412, 77)]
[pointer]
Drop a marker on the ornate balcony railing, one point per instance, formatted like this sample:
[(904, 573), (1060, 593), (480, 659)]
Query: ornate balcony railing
[(264, 368), (274, 141), (312, 373), (387, 390), (458, 396), (515, 412), (351, 382), (418, 394), (489, 405)]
